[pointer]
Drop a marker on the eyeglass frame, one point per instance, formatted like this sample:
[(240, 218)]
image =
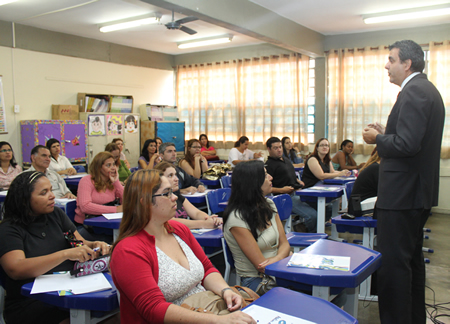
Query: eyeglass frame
[(167, 194), (6, 150)]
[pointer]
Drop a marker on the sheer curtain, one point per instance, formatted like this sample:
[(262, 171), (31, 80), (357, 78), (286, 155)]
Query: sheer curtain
[(258, 98), (359, 92), (439, 74)]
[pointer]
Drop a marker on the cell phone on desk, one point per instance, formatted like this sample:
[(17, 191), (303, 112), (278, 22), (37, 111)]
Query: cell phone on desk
[(347, 216)]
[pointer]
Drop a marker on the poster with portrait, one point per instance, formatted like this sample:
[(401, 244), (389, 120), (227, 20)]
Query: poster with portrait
[(131, 124), (114, 124), (97, 125)]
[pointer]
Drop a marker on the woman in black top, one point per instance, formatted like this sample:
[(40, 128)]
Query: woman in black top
[(318, 166)]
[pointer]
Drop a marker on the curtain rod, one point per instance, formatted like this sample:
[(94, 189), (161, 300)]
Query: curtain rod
[(244, 59), (385, 47)]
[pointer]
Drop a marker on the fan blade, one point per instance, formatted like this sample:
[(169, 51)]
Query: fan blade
[(186, 20), (188, 30)]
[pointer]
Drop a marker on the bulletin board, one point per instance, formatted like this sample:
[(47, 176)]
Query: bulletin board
[(3, 129)]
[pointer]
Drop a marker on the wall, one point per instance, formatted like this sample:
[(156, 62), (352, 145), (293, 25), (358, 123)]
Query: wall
[(37, 80)]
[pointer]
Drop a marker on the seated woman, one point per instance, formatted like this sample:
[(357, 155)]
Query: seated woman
[(187, 213), (194, 163), (156, 262), (253, 229), (99, 192), (149, 156), (343, 159), (290, 152), (119, 143), (124, 172), (10, 169), (32, 243), (207, 150), (318, 166), (158, 143), (59, 163), (240, 152)]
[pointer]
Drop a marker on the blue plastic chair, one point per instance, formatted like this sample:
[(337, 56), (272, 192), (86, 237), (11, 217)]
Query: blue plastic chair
[(79, 168), (347, 194), (214, 197), (284, 207), (134, 169), (229, 263), (225, 181)]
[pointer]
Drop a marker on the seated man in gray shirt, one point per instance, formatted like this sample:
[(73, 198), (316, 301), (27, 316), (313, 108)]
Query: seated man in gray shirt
[(40, 160)]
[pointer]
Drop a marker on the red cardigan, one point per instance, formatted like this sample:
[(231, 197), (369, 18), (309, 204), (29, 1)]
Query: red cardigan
[(134, 269)]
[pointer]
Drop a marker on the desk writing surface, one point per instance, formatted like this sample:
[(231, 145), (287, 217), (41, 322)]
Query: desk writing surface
[(363, 262), (101, 221), (210, 239), (321, 191), (339, 180)]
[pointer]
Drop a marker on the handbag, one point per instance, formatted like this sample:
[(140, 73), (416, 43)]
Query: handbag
[(216, 171), (267, 283), (209, 302)]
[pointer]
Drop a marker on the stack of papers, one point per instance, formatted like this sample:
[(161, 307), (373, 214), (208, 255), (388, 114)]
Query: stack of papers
[(336, 188), (315, 261), (113, 216), (201, 230), (64, 281), (264, 315)]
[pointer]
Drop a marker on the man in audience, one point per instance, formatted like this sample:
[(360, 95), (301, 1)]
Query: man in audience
[(408, 185), (40, 160), (285, 181), (187, 183)]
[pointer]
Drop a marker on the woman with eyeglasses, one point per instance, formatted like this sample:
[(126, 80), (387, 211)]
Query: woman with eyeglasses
[(253, 229), (319, 167), (156, 262), (149, 156), (59, 163), (124, 172), (187, 213), (194, 163), (99, 192), (32, 243), (10, 169)]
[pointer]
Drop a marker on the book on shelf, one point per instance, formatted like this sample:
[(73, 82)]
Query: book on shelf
[(316, 261)]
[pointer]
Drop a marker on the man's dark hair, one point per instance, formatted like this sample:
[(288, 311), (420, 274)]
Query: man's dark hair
[(272, 140), (35, 149), (410, 50), (164, 146)]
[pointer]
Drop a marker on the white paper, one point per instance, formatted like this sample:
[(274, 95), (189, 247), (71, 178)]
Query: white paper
[(264, 315), (201, 230), (197, 194), (316, 261), (3, 193), (78, 285), (63, 201), (113, 216), (79, 175), (336, 188)]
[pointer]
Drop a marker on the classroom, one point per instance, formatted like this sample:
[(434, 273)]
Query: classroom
[(42, 65)]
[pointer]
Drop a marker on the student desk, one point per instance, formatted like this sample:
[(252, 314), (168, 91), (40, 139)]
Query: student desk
[(197, 199), (101, 221), (339, 180), (68, 206), (74, 180), (211, 184), (82, 305), (322, 193), (303, 306), (363, 263), (302, 240), (213, 242)]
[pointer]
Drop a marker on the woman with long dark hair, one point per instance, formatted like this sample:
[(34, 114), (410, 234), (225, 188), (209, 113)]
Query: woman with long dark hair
[(318, 166), (240, 152), (156, 263), (10, 169), (290, 152), (194, 163), (58, 162), (253, 229), (343, 159), (208, 151), (33, 243), (149, 156)]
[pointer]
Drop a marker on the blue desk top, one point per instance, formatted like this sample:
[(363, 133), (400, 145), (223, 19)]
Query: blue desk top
[(104, 301), (303, 306), (340, 180), (363, 263), (197, 199), (304, 239), (103, 222), (211, 183), (330, 192), (363, 221), (210, 239), (299, 169)]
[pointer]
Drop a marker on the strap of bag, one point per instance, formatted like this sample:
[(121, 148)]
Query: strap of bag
[(247, 300), (196, 309)]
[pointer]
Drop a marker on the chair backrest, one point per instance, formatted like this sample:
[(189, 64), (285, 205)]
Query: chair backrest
[(79, 168), (347, 194), (214, 197), (226, 181), (134, 169), (284, 205)]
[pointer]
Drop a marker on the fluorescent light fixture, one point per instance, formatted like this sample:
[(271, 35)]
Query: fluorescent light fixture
[(413, 13), (3, 2), (130, 22), (206, 41)]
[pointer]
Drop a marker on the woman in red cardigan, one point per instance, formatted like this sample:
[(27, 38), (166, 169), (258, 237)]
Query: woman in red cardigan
[(99, 192), (156, 262)]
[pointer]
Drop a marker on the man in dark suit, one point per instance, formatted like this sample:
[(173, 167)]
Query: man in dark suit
[(409, 148)]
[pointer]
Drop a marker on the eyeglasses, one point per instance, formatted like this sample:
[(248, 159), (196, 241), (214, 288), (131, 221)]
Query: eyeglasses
[(324, 145), (196, 147), (5, 151), (167, 194)]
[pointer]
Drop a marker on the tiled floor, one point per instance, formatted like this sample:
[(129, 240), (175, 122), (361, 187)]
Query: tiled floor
[(438, 271)]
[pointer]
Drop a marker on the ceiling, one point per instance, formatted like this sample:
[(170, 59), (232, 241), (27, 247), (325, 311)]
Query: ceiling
[(82, 17)]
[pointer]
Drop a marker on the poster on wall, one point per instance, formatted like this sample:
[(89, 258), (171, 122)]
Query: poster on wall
[(2, 109), (97, 125), (114, 124), (131, 124)]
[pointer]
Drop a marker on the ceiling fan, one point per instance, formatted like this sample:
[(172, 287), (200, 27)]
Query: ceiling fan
[(177, 24)]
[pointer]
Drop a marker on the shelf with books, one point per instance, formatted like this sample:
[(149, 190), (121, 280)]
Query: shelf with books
[(102, 103)]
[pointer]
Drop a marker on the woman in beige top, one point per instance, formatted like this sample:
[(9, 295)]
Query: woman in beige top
[(253, 229)]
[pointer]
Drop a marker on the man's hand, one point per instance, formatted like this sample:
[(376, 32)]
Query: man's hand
[(378, 127), (370, 135)]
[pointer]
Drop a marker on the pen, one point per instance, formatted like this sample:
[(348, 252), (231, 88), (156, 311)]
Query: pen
[(96, 249)]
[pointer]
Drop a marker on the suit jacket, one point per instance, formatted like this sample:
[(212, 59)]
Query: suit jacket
[(410, 148)]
